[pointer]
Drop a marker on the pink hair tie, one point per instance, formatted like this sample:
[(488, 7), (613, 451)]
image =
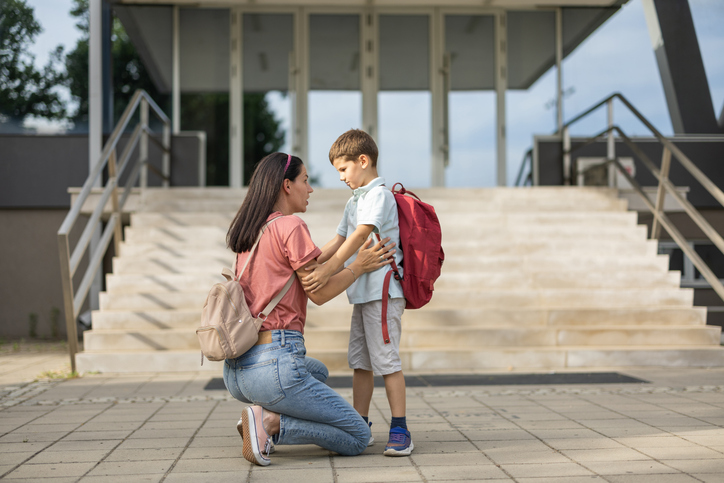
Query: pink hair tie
[(289, 160)]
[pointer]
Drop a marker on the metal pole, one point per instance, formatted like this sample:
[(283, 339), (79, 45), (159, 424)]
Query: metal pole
[(566, 156), (166, 160), (143, 148), (67, 281), (661, 193), (113, 175)]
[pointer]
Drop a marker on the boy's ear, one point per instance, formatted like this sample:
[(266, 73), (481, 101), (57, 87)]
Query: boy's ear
[(364, 161)]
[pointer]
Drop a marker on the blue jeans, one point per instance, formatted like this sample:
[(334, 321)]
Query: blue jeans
[(280, 378)]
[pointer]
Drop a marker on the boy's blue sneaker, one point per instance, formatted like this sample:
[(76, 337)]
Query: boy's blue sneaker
[(372, 440), (400, 443)]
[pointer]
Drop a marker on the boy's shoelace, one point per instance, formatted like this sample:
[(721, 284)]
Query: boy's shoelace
[(397, 438)]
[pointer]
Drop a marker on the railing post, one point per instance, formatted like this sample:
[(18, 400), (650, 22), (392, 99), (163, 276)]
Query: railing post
[(69, 304), (143, 149), (661, 193), (611, 146), (166, 162), (113, 177), (566, 156)]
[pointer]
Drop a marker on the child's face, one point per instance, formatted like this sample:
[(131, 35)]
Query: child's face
[(351, 172)]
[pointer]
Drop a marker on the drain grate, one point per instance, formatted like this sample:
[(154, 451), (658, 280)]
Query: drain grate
[(441, 380)]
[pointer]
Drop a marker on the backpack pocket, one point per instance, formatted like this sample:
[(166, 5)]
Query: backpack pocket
[(211, 341)]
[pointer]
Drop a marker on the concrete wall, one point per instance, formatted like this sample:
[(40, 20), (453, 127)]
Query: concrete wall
[(30, 275), (35, 173)]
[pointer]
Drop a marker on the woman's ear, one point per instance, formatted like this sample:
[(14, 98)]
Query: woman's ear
[(287, 185)]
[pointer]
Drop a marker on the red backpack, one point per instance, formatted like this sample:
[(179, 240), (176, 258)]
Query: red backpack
[(421, 245)]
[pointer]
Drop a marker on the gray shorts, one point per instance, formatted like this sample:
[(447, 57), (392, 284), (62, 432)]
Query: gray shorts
[(367, 349)]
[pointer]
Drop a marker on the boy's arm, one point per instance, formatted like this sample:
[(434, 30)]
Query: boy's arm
[(319, 277), (330, 248)]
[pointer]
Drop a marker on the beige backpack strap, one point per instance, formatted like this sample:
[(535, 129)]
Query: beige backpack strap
[(270, 306), (251, 252)]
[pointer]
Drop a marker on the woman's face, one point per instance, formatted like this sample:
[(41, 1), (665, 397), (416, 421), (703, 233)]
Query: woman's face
[(300, 191)]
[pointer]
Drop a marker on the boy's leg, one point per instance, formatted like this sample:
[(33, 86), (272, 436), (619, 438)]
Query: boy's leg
[(363, 385), (395, 387), (385, 359), (358, 358)]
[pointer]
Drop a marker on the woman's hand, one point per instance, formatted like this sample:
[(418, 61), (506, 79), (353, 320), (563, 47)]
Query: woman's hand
[(373, 258)]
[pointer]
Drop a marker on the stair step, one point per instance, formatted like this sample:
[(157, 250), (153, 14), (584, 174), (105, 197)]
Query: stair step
[(416, 338), (501, 280), (318, 218), (443, 360), (444, 299), (325, 317)]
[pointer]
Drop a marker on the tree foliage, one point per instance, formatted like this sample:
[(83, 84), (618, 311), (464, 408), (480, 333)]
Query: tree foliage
[(24, 90), (128, 71)]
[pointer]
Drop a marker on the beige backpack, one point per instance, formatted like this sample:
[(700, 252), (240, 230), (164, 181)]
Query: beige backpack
[(228, 329)]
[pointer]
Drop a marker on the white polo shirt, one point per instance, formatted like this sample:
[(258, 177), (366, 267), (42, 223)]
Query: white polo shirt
[(372, 204)]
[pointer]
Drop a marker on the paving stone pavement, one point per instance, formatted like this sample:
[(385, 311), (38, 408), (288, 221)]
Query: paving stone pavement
[(167, 428)]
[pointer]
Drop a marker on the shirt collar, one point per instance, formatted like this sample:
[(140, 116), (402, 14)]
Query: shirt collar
[(363, 190)]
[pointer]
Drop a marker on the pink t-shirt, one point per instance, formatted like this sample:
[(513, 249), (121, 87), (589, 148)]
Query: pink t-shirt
[(285, 247)]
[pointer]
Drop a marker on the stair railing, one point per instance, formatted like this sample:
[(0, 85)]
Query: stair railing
[(662, 175), (527, 162), (116, 166)]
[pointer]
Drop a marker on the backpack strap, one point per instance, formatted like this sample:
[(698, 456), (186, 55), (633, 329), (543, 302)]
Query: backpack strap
[(386, 295), (278, 297), (251, 252)]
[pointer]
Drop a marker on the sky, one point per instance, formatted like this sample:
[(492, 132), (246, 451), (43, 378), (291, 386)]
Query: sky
[(618, 57)]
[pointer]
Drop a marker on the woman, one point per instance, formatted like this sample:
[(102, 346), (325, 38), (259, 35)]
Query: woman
[(291, 403)]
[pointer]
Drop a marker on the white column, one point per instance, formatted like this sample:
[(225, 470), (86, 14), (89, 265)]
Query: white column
[(176, 72), (236, 102), (370, 71), (437, 88), (501, 84), (95, 83), (559, 68), (300, 131), (95, 116)]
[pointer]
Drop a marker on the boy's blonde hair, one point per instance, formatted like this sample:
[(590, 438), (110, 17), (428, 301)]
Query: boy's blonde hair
[(352, 144)]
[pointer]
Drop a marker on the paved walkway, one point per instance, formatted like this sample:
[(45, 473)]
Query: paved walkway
[(157, 427)]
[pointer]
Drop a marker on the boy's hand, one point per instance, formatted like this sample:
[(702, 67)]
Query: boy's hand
[(317, 279)]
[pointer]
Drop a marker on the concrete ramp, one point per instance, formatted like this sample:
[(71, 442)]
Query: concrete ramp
[(534, 279)]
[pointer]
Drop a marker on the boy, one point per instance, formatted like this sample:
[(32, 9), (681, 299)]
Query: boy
[(371, 210)]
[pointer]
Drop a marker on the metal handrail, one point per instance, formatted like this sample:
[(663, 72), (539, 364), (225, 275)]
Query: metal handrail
[(70, 260), (662, 175), (527, 160)]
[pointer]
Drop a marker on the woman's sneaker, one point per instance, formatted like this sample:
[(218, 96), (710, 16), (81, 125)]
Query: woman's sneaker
[(256, 442), (400, 443), (240, 429)]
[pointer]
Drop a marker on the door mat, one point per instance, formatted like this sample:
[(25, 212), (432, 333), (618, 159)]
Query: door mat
[(441, 380)]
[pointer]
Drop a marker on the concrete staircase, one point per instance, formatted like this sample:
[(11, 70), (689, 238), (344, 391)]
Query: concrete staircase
[(534, 279)]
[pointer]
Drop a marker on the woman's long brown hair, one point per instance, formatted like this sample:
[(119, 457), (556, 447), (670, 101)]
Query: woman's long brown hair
[(264, 188)]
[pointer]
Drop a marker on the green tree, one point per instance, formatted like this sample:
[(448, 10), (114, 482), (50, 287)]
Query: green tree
[(129, 73), (263, 134), (24, 90)]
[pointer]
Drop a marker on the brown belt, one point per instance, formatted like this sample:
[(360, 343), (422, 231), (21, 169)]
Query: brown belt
[(264, 338)]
